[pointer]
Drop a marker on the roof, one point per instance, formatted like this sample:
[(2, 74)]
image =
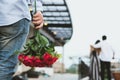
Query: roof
[(58, 24)]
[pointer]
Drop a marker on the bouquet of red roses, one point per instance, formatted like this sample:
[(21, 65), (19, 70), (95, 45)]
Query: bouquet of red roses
[(38, 52)]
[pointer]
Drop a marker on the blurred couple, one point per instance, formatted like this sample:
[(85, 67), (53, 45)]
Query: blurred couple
[(101, 54)]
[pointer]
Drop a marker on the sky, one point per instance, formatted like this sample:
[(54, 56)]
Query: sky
[(91, 19)]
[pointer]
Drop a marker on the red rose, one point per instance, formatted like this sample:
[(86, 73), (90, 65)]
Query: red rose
[(48, 59), (37, 62), (28, 61), (46, 55), (21, 57), (54, 59)]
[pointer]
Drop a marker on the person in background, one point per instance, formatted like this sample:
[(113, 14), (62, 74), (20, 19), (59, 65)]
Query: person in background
[(106, 55), (94, 63), (15, 20)]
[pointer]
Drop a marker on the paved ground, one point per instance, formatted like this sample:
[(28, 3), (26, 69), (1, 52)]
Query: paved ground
[(58, 77), (87, 78)]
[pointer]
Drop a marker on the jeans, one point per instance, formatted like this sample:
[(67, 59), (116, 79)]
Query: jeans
[(12, 38)]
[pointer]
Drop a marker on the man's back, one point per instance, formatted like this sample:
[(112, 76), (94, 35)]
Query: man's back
[(106, 51), (12, 11)]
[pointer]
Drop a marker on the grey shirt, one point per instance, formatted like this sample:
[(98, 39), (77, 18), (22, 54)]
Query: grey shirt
[(12, 11)]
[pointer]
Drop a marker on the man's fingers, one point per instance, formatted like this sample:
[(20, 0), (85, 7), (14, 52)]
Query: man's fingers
[(38, 22), (39, 26)]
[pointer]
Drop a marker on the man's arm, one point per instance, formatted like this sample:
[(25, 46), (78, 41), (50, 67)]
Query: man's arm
[(113, 54), (38, 20), (97, 45), (39, 5), (37, 8)]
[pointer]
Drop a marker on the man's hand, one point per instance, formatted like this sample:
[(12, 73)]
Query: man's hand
[(113, 56), (38, 20)]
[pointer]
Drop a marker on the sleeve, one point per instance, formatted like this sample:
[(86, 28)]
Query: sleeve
[(39, 5), (97, 45)]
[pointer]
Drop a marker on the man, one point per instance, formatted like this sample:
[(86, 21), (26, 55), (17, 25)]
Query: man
[(14, 27), (106, 56)]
